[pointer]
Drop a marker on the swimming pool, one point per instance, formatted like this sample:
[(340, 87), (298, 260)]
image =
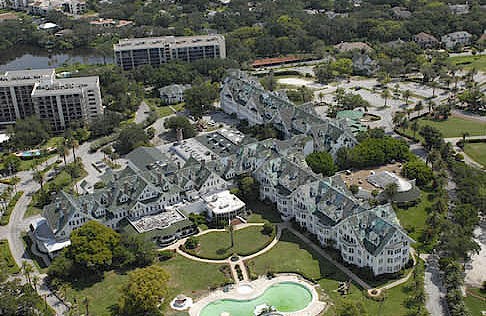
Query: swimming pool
[(284, 296)]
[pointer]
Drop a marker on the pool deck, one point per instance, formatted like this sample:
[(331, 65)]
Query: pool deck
[(259, 286)]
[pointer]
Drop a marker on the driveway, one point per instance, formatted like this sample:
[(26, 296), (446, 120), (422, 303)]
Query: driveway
[(142, 112), (435, 301)]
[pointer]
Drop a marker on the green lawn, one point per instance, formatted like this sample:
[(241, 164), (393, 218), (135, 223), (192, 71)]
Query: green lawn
[(163, 111), (413, 218), (217, 245), (262, 211), (476, 151), (7, 262), (474, 304), (5, 218), (454, 126), (468, 62), (292, 255), (62, 181), (188, 277)]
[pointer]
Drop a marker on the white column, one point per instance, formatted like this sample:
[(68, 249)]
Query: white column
[(59, 110), (15, 104)]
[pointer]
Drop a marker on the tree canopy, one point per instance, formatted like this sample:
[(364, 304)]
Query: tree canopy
[(200, 97), (321, 162), (145, 291), (28, 132), (178, 121), (131, 137), (93, 246)]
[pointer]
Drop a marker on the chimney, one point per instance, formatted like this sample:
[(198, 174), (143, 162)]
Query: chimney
[(180, 135)]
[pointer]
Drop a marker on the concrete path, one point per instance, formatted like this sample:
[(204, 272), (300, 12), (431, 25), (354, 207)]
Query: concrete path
[(142, 112), (435, 300), (19, 225), (232, 264), (324, 254), (468, 160), (404, 279)]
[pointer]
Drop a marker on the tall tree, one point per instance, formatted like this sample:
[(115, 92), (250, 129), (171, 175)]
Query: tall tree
[(145, 291), (385, 94)]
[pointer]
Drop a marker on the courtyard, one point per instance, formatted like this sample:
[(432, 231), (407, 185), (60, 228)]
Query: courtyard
[(217, 244)]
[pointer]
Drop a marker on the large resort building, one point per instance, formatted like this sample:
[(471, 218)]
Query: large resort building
[(133, 52), (58, 102), (194, 175)]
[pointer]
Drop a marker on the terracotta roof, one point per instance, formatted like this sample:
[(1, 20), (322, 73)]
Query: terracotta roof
[(274, 61)]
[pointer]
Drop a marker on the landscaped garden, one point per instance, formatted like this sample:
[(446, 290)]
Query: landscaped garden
[(476, 151), (413, 218), (188, 277), (292, 255), (246, 241)]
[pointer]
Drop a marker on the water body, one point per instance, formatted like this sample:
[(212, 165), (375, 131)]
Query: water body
[(23, 57), (285, 297)]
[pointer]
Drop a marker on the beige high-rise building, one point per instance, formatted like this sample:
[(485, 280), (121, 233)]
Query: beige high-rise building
[(133, 52), (58, 102)]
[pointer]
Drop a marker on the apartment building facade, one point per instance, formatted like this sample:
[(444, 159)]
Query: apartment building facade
[(58, 102), (131, 53)]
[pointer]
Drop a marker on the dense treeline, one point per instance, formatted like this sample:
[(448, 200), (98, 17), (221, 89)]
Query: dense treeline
[(96, 248), (261, 28), (372, 152)]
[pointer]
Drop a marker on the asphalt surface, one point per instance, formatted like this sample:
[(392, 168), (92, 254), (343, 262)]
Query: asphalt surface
[(435, 301)]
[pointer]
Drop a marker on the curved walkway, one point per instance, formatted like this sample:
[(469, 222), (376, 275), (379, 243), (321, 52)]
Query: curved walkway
[(227, 260)]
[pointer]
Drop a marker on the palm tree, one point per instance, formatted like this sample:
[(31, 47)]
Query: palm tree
[(431, 105), (464, 135), (74, 144), (414, 127), (433, 84), (391, 189), (321, 95), (27, 269), (39, 178), (406, 95), (62, 149), (231, 230), (35, 281), (398, 119), (385, 94)]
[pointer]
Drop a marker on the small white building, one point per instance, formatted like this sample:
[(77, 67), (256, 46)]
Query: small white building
[(223, 206), (174, 93)]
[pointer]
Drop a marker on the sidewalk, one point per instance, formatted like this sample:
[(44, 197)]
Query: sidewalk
[(324, 254)]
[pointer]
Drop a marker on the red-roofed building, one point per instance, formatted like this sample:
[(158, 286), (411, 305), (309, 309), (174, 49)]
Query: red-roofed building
[(265, 62)]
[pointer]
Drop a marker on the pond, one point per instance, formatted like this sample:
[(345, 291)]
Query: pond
[(27, 57)]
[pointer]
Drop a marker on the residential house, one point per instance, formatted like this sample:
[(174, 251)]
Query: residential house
[(456, 39), (426, 40), (401, 13), (174, 93), (459, 9)]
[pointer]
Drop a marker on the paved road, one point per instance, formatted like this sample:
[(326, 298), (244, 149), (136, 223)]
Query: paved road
[(18, 225), (142, 112), (468, 160), (435, 301)]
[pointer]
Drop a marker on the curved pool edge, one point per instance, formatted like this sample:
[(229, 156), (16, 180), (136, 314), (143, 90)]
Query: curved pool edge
[(314, 308)]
